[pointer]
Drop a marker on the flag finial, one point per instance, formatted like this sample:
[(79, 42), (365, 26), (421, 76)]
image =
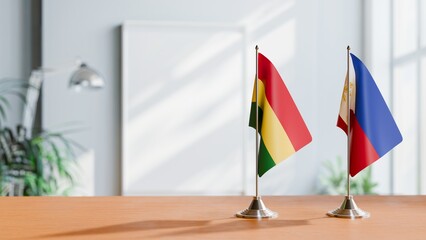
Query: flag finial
[(348, 48), (257, 47)]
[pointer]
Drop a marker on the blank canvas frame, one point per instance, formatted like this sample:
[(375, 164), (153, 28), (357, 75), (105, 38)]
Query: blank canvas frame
[(184, 108)]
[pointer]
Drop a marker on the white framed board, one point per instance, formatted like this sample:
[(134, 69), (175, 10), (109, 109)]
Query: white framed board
[(184, 109)]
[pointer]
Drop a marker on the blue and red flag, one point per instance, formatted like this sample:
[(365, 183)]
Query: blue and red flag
[(373, 131)]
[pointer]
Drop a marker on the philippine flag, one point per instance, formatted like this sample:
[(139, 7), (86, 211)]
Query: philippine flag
[(373, 131)]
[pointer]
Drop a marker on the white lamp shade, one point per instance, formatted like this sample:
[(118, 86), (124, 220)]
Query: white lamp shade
[(86, 77)]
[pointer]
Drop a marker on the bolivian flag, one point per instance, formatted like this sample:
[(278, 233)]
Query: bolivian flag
[(281, 126)]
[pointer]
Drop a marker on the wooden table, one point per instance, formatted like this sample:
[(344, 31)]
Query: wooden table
[(392, 217)]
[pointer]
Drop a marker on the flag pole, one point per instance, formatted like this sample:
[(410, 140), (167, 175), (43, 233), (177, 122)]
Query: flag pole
[(257, 121), (348, 98), (348, 209), (257, 208)]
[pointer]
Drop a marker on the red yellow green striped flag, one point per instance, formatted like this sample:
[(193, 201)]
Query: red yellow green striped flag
[(281, 127)]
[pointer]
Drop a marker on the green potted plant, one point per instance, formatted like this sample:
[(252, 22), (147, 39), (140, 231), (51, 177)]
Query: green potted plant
[(32, 166)]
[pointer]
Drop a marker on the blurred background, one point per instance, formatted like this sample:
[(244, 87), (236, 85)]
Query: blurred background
[(172, 116)]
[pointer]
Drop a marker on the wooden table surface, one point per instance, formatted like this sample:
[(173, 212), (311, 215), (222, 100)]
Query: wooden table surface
[(301, 217)]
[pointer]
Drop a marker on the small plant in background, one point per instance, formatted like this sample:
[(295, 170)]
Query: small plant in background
[(333, 181), (33, 166)]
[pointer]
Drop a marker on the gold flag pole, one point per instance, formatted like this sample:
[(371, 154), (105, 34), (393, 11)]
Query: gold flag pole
[(348, 209), (257, 208)]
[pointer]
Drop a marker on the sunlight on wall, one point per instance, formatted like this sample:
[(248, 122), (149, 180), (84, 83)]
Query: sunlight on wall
[(405, 13), (202, 54), (265, 13), (283, 36), (405, 112)]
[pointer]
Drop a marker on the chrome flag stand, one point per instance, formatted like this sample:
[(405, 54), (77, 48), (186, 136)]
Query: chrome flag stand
[(348, 209), (257, 208)]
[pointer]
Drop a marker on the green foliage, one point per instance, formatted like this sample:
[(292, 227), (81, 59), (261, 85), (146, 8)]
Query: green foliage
[(335, 177), (40, 165), (35, 166)]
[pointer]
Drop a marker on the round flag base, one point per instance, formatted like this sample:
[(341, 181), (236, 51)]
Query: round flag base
[(257, 209), (349, 209)]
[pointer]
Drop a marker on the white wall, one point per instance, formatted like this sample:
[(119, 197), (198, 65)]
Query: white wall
[(15, 47), (305, 39), (395, 57)]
